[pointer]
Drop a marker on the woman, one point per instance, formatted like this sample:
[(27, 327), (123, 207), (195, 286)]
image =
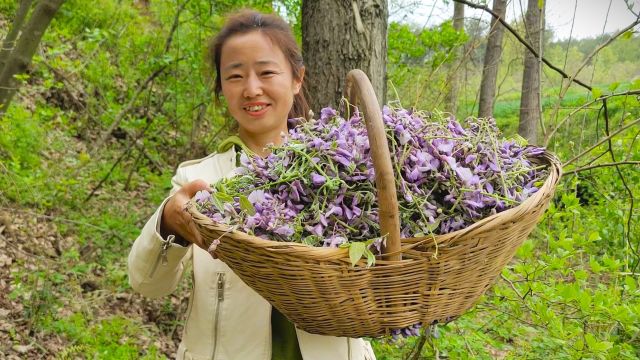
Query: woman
[(259, 71)]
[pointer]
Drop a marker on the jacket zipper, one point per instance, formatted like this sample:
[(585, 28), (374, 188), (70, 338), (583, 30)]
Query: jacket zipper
[(220, 284), (162, 256)]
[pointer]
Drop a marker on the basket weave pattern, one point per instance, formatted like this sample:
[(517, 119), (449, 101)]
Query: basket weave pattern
[(437, 278)]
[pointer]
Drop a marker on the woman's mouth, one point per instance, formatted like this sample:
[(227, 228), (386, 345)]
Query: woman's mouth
[(256, 110)]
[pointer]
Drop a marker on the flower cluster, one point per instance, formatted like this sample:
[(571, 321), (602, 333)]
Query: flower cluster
[(318, 186)]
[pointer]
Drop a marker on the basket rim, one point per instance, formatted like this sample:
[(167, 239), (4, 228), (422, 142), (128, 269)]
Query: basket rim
[(555, 173)]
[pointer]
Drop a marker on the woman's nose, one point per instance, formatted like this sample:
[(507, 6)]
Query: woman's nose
[(253, 87)]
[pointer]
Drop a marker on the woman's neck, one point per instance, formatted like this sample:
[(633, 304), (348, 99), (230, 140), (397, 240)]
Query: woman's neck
[(258, 142)]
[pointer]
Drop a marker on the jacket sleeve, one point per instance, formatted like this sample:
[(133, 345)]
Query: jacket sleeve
[(155, 265)]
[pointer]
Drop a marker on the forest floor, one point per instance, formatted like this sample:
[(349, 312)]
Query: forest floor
[(31, 243)]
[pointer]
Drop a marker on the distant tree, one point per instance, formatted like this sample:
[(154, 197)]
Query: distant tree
[(340, 35), (530, 101), (492, 58), (454, 83), (26, 44)]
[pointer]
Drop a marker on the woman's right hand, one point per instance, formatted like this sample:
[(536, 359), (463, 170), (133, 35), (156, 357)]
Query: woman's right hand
[(177, 221)]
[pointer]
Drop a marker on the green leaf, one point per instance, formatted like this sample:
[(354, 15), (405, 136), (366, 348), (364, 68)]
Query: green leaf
[(520, 140), (371, 258), (614, 86), (635, 84), (224, 197), (595, 265), (631, 283), (596, 93), (595, 345), (246, 205), (540, 4), (217, 203), (627, 35), (356, 250)]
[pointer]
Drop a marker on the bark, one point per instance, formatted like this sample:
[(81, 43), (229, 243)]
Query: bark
[(492, 58), (10, 40), (338, 36), (530, 100), (454, 87), (26, 46)]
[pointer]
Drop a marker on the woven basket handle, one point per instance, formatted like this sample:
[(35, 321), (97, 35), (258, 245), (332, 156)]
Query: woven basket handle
[(359, 90)]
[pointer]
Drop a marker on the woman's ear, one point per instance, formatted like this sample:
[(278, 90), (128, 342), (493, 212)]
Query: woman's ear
[(298, 82)]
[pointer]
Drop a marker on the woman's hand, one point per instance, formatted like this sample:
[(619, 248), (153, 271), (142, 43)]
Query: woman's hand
[(176, 221)]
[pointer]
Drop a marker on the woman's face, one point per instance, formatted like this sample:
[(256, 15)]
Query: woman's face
[(258, 84)]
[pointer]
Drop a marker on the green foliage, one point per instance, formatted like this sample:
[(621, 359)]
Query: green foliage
[(111, 338), (419, 54), (571, 292)]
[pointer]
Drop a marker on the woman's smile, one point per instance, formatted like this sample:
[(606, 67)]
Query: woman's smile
[(256, 109)]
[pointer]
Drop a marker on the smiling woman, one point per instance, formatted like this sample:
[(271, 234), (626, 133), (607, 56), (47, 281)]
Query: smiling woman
[(260, 73), (259, 86)]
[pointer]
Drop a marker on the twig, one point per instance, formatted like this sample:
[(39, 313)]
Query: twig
[(600, 98), (587, 60), (126, 152), (585, 168), (133, 169), (635, 122), (414, 354), (521, 40), (513, 287), (174, 26), (624, 182), (102, 138)]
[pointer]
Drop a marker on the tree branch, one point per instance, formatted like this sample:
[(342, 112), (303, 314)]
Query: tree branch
[(600, 98), (635, 122), (602, 46), (590, 167), (624, 182), (523, 41), (128, 107)]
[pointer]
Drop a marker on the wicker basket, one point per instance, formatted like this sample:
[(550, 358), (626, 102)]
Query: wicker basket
[(319, 290)]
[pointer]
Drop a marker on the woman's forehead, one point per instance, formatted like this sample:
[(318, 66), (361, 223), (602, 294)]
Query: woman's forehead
[(254, 48)]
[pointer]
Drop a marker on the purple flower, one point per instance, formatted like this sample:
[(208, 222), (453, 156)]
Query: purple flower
[(202, 196)]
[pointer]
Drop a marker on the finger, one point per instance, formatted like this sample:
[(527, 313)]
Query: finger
[(193, 187)]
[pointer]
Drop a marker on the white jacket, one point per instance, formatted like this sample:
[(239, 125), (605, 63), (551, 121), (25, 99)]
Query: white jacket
[(226, 319)]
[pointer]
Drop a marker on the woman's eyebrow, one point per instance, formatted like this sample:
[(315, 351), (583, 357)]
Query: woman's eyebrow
[(232, 66), (266, 62)]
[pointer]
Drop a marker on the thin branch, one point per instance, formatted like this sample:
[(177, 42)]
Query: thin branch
[(602, 46), (128, 107), (125, 153), (624, 182), (600, 98), (590, 167), (523, 41), (174, 26), (635, 122), (513, 287)]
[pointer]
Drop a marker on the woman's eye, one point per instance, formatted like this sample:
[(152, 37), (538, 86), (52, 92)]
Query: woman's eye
[(268, 73), (234, 76)]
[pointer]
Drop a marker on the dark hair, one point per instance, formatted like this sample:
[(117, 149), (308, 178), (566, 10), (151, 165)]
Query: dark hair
[(279, 32)]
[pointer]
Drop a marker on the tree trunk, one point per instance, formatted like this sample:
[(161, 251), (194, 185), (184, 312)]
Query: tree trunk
[(338, 36), (10, 40), (530, 101), (26, 46), (454, 85), (492, 61)]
